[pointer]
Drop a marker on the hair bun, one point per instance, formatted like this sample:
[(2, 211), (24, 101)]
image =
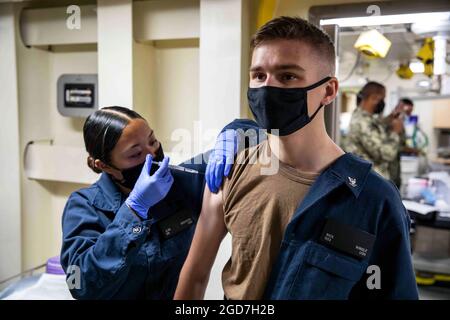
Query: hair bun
[(91, 164)]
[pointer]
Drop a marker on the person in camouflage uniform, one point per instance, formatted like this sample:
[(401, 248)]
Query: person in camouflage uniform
[(404, 108), (369, 137)]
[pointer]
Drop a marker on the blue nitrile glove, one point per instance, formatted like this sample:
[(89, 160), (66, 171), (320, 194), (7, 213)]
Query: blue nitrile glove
[(221, 159), (148, 189)]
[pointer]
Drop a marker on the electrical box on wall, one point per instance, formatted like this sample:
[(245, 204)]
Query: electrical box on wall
[(77, 94)]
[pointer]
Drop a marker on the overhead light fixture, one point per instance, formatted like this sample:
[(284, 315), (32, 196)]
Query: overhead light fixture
[(417, 66), (373, 44), (428, 17)]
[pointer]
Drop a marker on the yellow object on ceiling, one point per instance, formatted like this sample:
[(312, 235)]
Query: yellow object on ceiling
[(428, 69), (266, 11), (426, 55), (373, 44), (404, 71)]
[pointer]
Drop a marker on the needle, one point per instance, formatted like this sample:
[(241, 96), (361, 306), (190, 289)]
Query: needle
[(179, 168)]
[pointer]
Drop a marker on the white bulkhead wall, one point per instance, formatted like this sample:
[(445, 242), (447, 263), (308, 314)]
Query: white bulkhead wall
[(10, 206)]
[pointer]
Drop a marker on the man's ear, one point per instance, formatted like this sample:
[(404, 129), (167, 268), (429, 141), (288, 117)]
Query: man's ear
[(331, 91)]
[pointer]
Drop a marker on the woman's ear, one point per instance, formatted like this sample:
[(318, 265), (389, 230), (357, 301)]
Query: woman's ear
[(98, 164), (331, 91), (108, 169)]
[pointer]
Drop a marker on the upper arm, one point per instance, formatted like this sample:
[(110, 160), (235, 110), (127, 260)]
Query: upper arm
[(209, 233), (80, 228)]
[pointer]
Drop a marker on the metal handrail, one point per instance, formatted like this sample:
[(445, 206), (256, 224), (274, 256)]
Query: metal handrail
[(29, 271)]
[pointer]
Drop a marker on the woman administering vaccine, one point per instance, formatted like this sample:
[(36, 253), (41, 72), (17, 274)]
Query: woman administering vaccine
[(127, 235)]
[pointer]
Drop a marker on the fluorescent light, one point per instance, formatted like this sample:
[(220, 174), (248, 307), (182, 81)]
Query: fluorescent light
[(417, 66), (423, 84), (428, 17)]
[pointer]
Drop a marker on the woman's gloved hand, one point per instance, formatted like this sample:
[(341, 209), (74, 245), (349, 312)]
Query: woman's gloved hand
[(150, 189), (221, 159)]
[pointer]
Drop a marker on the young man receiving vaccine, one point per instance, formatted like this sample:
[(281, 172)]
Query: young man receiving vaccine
[(324, 225)]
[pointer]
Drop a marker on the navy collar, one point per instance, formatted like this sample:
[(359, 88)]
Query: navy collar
[(347, 169), (109, 197), (352, 171)]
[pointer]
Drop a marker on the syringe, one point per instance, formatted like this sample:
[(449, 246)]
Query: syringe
[(179, 168)]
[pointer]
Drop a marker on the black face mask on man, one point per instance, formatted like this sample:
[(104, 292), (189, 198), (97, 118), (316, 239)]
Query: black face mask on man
[(379, 108), (131, 175), (285, 109)]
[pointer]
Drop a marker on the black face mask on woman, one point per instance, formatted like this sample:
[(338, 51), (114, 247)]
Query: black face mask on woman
[(285, 109), (131, 175)]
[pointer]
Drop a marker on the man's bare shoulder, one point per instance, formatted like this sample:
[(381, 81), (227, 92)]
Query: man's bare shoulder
[(212, 200), (212, 206)]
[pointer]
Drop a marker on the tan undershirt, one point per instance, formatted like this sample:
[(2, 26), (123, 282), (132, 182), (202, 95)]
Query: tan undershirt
[(257, 209)]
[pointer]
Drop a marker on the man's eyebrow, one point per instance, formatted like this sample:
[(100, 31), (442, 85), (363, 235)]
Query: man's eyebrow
[(291, 66), (255, 68)]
